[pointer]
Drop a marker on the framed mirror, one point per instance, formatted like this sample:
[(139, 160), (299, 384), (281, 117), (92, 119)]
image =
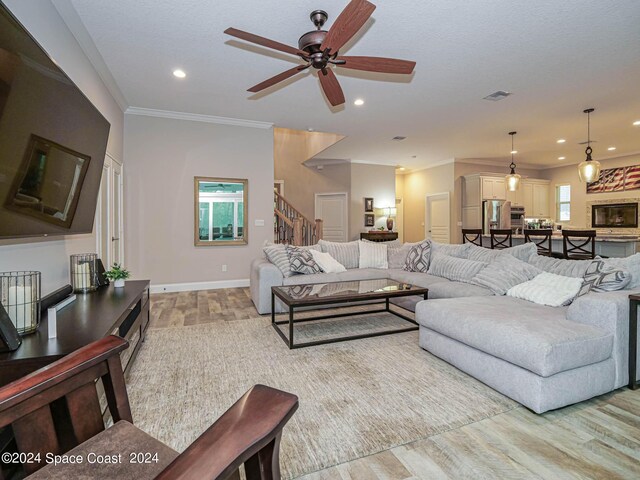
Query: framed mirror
[(221, 207)]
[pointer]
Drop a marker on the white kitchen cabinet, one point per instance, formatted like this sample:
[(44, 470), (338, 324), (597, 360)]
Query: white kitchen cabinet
[(493, 188), (540, 200), (527, 198)]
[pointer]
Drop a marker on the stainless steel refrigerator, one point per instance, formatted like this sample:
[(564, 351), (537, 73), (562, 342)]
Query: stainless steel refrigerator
[(495, 214)]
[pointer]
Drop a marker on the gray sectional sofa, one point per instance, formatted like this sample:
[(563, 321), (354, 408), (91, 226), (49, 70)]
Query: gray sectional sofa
[(543, 357)]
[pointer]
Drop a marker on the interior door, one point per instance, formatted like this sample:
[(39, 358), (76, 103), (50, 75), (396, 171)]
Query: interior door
[(116, 236), (103, 215), (400, 219), (437, 222), (332, 209)]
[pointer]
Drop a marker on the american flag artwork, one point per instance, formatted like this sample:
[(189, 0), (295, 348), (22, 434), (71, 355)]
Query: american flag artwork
[(616, 180)]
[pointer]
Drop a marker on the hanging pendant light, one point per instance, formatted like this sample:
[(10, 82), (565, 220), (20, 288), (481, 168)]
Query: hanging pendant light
[(589, 170), (513, 179)]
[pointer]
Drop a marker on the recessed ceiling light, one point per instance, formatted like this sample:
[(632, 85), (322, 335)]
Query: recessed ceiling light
[(309, 129), (611, 149), (179, 73), (358, 102), (513, 152), (636, 123), (560, 140), (561, 158)]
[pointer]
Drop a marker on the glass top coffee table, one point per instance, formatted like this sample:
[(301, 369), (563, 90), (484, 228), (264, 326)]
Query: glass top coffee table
[(374, 292)]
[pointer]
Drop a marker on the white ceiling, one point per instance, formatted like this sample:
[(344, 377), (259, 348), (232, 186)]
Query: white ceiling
[(557, 57)]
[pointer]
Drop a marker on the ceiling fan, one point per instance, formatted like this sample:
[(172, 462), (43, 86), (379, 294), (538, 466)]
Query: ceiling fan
[(319, 48)]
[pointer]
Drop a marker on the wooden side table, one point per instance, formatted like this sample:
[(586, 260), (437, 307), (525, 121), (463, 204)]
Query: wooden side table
[(633, 340), (379, 236)]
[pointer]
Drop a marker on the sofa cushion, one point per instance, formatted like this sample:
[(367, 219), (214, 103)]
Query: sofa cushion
[(362, 274), (548, 289), (277, 254), (418, 257), (559, 266), (451, 289), (453, 250), (327, 263), (603, 277), (315, 278), (503, 273), (346, 253), (531, 336), (416, 278), (372, 255), (454, 268), (521, 252), (397, 254), (631, 264), (301, 261), (120, 439)]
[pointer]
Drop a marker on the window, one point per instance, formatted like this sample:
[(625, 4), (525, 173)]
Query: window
[(563, 203)]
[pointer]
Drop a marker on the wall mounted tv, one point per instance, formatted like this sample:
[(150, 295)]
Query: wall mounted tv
[(52, 142)]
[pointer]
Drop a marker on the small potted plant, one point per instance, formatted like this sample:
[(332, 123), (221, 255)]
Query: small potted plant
[(117, 275)]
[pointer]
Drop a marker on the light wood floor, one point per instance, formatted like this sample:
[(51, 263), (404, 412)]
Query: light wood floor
[(598, 439)]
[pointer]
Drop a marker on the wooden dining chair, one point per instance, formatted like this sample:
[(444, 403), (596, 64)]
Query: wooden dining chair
[(542, 239), (472, 235), (56, 410), (579, 244), (501, 238)]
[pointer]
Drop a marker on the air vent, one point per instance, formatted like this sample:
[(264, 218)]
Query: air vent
[(398, 138), (499, 95)]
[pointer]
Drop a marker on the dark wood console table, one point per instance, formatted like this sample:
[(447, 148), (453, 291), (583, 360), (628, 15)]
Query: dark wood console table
[(109, 310), (381, 236)]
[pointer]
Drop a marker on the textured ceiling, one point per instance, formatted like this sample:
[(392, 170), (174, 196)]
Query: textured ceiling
[(557, 57)]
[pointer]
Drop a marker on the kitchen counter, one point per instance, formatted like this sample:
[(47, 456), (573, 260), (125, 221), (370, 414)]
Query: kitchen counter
[(607, 245)]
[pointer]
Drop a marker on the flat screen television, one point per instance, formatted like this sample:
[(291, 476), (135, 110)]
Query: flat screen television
[(52, 142)]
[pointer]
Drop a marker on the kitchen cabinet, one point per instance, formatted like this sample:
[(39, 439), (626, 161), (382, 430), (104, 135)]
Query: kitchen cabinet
[(493, 188), (540, 200)]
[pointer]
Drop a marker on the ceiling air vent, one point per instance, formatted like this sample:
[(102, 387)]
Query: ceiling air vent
[(499, 95), (398, 138)]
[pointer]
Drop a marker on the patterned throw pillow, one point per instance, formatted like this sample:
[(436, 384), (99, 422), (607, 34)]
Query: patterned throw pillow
[(418, 257), (302, 261), (277, 254), (601, 277)]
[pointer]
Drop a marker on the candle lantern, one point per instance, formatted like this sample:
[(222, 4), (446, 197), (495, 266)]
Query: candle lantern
[(84, 272), (20, 294)]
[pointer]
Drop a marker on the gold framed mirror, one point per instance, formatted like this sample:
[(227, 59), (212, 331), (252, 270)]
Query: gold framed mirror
[(221, 211)]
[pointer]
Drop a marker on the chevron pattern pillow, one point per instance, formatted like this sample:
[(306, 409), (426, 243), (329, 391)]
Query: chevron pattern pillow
[(418, 258), (302, 261), (603, 278)]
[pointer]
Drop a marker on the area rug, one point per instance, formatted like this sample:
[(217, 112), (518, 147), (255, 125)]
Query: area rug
[(356, 398)]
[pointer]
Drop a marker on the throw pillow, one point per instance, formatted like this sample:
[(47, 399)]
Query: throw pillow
[(559, 266), (503, 273), (327, 263), (521, 252), (601, 277), (345, 253), (418, 257), (548, 289), (302, 261), (397, 254), (630, 264), (454, 268), (372, 255), (452, 250), (277, 254)]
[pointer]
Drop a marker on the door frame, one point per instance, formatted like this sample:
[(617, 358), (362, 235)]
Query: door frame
[(429, 196), (346, 209)]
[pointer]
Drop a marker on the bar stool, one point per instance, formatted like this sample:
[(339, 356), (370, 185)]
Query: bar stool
[(472, 235), (500, 238), (579, 244), (542, 240)]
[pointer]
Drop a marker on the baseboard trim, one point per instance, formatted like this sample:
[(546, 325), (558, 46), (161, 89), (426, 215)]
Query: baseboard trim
[(195, 286)]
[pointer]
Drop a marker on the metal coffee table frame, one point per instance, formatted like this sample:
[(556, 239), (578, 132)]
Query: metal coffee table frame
[(384, 296)]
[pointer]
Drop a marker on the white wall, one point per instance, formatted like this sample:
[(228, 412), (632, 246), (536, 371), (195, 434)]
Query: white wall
[(163, 155), (377, 181), (51, 257)]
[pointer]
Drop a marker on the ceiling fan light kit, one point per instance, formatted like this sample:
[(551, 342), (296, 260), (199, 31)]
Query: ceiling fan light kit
[(589, 169), (512, 179), (319, 48)]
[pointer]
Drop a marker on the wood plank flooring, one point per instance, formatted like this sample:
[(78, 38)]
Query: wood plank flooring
[(598, 439)]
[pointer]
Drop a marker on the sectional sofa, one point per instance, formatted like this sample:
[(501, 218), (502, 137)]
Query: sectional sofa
[(543, 357)]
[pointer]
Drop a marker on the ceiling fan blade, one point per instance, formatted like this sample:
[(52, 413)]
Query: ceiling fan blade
[(378, 64), (331, 87), (350, 20), (277, 78), (265, 42)]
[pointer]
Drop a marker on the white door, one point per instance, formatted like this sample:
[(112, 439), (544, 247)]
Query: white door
[(116, 235), (331, 208), (400, 219), (103, 216), (437, 218)]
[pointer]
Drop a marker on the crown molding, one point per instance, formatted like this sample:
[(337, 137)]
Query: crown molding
[(196, 117), (497, 163), (433, 165), (70, 17)]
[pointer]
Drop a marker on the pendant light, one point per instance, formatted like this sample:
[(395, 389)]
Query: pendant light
[(589, 170), (513, 179)]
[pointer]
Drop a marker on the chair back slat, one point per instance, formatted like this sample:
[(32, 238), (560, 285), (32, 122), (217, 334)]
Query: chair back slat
[(472, 235), (579, 244), (501, 238), (541, 238), (35, 433), (85, 412)]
